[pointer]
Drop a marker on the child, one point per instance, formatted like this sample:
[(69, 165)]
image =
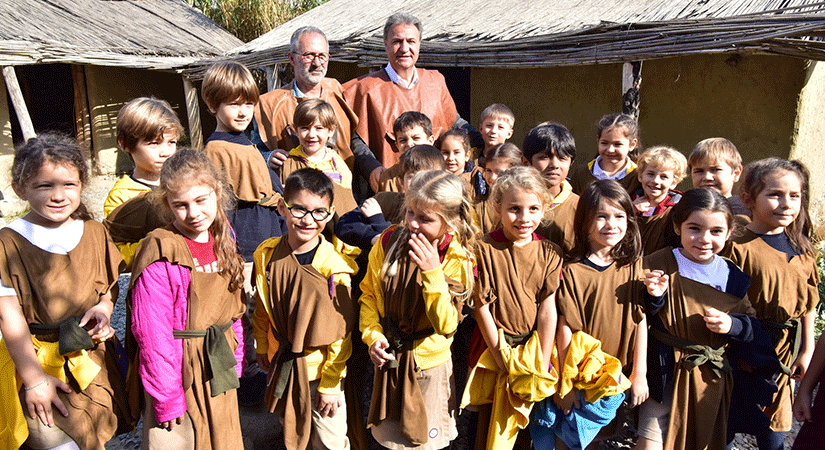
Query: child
[(699, 305), (660, 170), (600, 290), (314, 122), (813, 416), (147, 130), (715, 163), (550, 148), (59, 273), (499, 159), (518, 274), (230, 94), (410, 128), (617, 139), (186, 296), (417, 280), (304, 303), (455, 146), (497, 122), (777, 253)]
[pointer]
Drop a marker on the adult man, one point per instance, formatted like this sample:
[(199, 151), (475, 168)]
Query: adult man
[(309, 56), (380, 97)]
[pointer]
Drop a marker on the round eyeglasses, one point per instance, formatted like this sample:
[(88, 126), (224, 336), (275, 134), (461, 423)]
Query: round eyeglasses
[(299, 212)]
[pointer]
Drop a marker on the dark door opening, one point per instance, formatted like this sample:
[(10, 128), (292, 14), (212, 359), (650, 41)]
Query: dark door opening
[(49, 95)]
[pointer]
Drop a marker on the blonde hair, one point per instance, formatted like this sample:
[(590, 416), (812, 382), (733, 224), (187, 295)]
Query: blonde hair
[(446, 195), (311, 109), (664, 158), (145, 119), (499, 111), (526, 178), (187, 168), (715, 149), (227, 81)]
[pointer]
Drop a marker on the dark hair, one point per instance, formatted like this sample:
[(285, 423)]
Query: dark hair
[(311, 180), (145, 118), (629, 127), (630, 248), (457, 133), (226, 81), (422, 157), (412, 119), (506, 151), (401, 18), (550, 137), (187, 168), (702, 199), (56, 148), (799, 232), (311, 109)]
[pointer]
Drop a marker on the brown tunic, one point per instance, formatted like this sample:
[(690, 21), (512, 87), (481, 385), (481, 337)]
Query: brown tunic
[(245, 170), (701, 400), (392, 179), (53, 287), (605, 305), (210, 302), (377, 101), (582, 177), (486, 214), (657, 231), (559, 225), (514, 280), (134, 219), (780, 290), (392, 206), (275, 109), (343, 201), (306, 314)]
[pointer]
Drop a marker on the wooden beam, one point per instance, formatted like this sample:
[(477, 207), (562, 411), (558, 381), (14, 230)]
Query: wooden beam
[(82, 120), (19, 103), (193, 113), (631, 84), (273, 76)]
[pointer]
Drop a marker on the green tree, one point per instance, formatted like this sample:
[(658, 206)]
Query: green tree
[(248, 19)]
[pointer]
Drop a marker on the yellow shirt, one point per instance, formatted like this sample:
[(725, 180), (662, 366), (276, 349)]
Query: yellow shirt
[(331, 164), (125, 189)]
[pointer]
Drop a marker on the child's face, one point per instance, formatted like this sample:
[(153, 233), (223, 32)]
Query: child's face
[(149, 155), (304, 230), (427, 222), (408, 176), (234, 116), (704, 234), (552, 168), (194, 207), (521, 213), (495, 131), (716, 175), (608, 227), (656, 182), (53, 194), (411, 137), (614, 147), (314, 137), (493, 168), (455, 155), (778, 204)]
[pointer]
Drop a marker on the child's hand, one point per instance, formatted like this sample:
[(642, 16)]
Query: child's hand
[(171, 424), (277, 158), (40, 397), (641, 204), (263, 361), (424, 253), (802, 406), (370, 207), (800, 366), (100, 313), (639, 390), (717, 321), (328, 404), (656, 282), (377, 353), (567, 402)]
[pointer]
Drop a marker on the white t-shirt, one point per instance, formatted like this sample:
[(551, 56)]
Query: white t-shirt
[(59, 240), (602, 175), (714, 274)]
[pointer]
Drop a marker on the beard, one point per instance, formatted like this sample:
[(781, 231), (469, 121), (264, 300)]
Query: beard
[(305, 73)]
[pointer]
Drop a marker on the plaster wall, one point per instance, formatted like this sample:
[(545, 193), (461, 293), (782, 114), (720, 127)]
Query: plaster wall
[(810, 133)]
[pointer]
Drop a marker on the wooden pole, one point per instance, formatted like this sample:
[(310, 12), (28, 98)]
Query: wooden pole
[(273, 77), (19, 103), (82, 121), (631, 84), (193, 113)]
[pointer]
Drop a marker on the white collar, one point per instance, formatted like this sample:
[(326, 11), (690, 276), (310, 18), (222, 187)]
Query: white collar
[(60, 240), (397, 78), (602, 175)]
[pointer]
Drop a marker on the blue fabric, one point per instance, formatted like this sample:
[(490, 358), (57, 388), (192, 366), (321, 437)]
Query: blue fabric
[(577, 429)]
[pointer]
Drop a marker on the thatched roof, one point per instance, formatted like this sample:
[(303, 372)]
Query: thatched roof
[(544, 33), (154, 34)]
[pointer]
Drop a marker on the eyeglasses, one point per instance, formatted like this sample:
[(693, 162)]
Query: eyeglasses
[(299, 212), (309, 57)]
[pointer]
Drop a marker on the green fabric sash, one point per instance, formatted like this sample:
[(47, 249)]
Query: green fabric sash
[(795, 336), (398, 339), (220, 359), (71, 336), (697, 355)]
